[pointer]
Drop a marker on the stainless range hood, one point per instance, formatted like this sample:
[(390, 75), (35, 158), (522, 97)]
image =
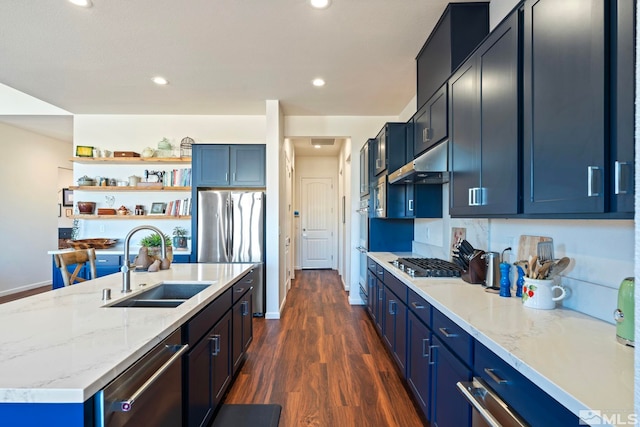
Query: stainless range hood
[(429, 168)]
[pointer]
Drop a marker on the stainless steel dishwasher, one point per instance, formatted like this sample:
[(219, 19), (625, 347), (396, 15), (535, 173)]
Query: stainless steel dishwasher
[(488, 408), (149, 393)]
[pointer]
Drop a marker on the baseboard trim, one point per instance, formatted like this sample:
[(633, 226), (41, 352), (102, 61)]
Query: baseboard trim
[(25, 288)]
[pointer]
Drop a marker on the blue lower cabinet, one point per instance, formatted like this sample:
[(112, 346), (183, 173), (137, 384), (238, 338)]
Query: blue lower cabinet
[(449, 407), (418, 362), (522, 395), (105, 265), (47, 414), (181, 259)]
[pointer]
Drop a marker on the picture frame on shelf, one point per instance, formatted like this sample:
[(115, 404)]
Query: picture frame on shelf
[(157, 208), (67, 197), (84, 151)]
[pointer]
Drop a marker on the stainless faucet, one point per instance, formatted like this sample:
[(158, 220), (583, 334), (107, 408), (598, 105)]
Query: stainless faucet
[(126, 268)]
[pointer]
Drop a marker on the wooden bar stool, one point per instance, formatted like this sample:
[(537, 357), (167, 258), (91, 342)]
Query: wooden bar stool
[(79, 258)]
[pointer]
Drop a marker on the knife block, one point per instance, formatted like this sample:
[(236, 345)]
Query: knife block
[(477, 270)]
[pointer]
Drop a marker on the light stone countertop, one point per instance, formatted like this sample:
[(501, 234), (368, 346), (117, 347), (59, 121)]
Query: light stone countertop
[(571, 356), (64, 345)]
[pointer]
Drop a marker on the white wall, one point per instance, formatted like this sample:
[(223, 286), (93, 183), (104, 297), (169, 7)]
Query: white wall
[(29, 208), (498, 9), (358, 129)]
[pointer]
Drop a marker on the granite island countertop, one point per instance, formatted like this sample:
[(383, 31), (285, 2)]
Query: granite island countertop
[(571, 356), (64, 345)]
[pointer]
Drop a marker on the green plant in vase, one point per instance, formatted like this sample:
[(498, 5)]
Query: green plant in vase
[(180, 237), (153, 245)]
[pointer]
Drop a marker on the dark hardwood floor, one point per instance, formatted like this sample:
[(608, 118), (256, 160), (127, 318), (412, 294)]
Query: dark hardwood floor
[(23, 294), (323, 362)]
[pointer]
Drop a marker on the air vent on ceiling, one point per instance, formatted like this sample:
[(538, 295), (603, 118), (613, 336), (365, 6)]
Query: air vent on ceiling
[(322, 141)]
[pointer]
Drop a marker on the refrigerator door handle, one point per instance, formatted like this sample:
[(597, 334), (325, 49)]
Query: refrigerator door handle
[(231, 227)]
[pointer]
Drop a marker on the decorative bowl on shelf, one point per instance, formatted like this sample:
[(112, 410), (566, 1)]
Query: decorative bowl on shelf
[(92, 243), (86, 207)]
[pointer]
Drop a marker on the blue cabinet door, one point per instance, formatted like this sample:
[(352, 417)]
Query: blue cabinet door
[(430, 124), (181, 259), (565, 70), (450, 408), (247, 165), (106, 264), (210, 165), (418, 366)]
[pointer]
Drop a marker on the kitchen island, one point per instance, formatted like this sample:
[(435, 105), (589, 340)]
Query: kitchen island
[(572, 357), (58, 348)]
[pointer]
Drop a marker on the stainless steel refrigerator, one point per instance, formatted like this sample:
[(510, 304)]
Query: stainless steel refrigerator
[(231, 229)]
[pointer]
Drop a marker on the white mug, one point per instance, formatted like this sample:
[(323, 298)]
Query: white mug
[(539, 294)]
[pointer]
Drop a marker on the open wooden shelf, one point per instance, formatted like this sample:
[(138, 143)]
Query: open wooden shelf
[(127, 188), (129, 217), (130, 160)]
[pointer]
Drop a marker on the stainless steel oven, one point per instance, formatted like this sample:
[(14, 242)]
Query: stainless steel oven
[(380, 197), (488, 408), (147, 393)]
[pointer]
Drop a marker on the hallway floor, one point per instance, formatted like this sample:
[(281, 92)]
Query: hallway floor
[(323, 362)]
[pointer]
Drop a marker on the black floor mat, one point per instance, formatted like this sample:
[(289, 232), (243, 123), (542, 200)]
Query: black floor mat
[(248, 416)]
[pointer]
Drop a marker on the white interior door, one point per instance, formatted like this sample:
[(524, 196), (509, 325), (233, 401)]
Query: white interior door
[(318, 219)]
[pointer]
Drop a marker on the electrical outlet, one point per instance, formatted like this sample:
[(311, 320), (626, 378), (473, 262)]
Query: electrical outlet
[(102, 228)]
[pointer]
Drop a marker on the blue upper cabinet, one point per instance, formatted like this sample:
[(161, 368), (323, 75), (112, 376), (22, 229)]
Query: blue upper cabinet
[(228, 165), (565, 107), (484, 132), (460, 29), (430, 122), (622, 105)]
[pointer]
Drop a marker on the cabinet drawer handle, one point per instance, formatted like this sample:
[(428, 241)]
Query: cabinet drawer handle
[(621, 176), (425, 347), (446, 333), (592, 187), (417, 306), (433, 354), (494, 376), (245, 308), (101, 260), (392, 307), (239, 290), (411, 205), (380, 272), (216, 344)]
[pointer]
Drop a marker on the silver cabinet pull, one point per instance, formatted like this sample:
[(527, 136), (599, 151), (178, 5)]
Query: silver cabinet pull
[(239, 290), (494, 376), (622, 176), (446, 333), (411, 205), (216, 344), (245, 308), (417, 306), (592, 187), (425, 348), (432, 354), (127, 404), (392, 307), (471, 197), (378, 163)]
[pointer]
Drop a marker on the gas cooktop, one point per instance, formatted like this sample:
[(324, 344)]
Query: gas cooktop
[(427, 267)]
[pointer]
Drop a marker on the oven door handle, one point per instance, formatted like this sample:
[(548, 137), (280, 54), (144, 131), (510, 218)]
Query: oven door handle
[(476, 392), (127, 404)]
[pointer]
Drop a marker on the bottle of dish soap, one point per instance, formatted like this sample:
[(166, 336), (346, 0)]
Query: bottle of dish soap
[(505, 271)]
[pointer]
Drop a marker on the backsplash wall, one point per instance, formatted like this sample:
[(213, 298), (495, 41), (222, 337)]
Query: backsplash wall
[(602, 251)]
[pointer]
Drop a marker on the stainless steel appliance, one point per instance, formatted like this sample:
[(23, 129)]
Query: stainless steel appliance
[(429, 168), (231, 229), (427, 267), (488, 408), (147, 393), (363, 245), (380, 197)]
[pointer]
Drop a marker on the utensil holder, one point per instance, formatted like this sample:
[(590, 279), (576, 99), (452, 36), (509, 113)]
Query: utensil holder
[(477, 270)]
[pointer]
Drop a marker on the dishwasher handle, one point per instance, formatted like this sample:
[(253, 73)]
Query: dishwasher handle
[(477, 392), (127, 404)]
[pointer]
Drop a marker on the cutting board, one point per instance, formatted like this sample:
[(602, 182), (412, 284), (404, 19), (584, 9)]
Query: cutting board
[(528, 245)]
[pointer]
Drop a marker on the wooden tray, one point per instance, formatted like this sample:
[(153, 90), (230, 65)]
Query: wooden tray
[(92, 243)]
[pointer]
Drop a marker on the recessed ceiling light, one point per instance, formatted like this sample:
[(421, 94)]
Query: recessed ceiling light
[(160, 81), (318, 82), (320, 4), (82, 3), (317, 146)]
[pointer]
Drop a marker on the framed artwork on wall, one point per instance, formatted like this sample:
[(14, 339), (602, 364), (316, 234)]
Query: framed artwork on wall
[(67, 197)]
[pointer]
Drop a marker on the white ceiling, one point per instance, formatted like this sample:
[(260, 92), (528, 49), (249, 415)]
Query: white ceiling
[(220, 56)]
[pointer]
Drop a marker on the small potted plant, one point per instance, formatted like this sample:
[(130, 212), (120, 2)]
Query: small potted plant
[(180, 237), (153, 243)]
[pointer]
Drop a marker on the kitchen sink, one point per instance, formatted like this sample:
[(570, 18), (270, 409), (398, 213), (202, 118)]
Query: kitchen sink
[(166, 294)]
